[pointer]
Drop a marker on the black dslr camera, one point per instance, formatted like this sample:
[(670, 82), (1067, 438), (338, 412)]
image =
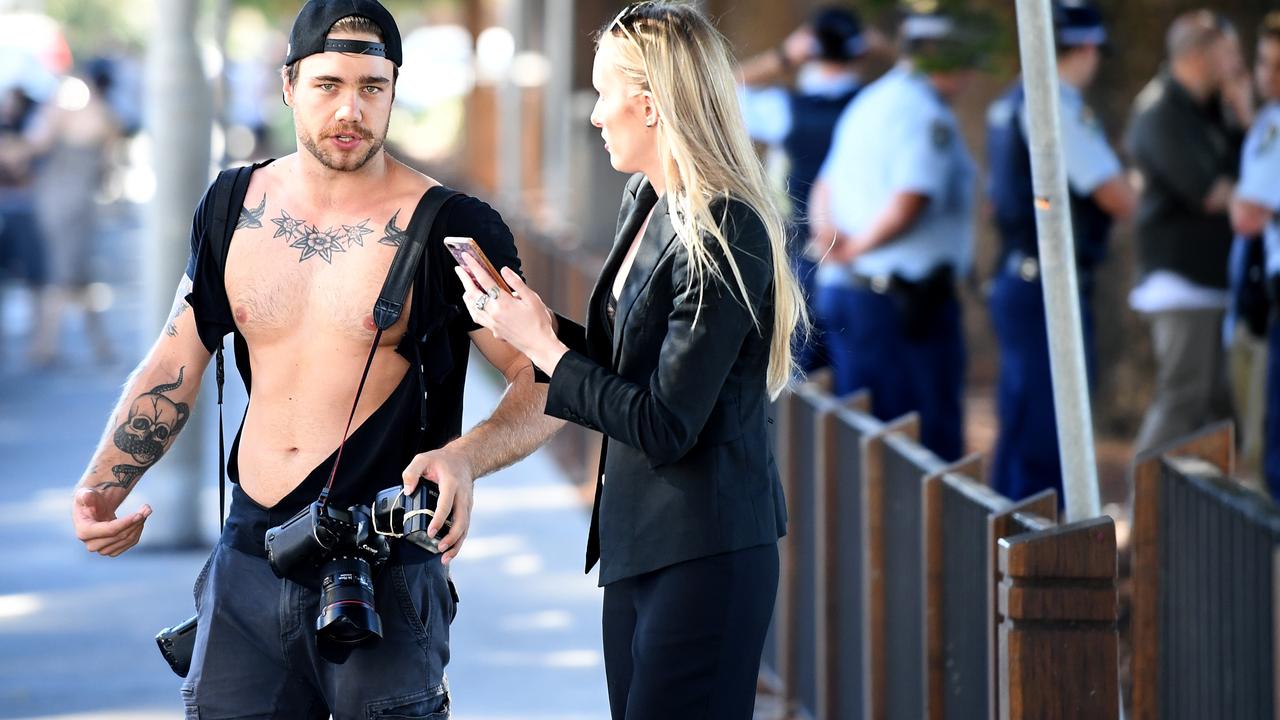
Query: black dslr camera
[(407, 516), (177, 644), (342, 544), (348, 546)]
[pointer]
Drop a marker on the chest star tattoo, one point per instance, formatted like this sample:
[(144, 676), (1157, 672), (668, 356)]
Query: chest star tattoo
[(312, 241)]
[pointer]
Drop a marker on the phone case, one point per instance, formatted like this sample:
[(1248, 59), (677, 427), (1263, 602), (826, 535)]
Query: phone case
[(459, 246)]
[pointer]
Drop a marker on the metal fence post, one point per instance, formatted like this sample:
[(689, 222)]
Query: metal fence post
[(1057, 262)]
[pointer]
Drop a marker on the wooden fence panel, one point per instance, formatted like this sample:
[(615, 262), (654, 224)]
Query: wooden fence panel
[(1215, 445), (1059, 644), (961, 621), (840, 518)]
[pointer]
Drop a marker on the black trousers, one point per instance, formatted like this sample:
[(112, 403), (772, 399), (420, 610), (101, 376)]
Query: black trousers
[(685, 641), (256, 653)]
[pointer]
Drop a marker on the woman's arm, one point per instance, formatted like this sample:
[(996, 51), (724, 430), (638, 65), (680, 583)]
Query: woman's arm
[(572, 334), (704, 334), (700, 340)]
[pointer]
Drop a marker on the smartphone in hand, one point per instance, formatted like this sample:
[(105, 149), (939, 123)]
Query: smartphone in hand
[(462, 246)]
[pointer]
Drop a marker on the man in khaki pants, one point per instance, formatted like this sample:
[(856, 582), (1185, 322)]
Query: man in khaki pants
[(1186, 152)]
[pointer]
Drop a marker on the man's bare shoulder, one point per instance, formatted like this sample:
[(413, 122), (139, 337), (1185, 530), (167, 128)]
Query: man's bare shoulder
[(408, 184), (269, 177)]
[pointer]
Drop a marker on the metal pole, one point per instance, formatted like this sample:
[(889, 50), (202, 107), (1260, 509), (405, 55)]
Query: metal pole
[(178, 117), (511, 113), (221, 15), (558, 24), (1057, 262)]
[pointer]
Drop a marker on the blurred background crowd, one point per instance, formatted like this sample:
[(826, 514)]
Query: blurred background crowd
[(495, 95), (903, 225)]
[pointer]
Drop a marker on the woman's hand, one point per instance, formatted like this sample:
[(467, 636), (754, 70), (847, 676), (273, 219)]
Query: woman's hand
[(520, 319)]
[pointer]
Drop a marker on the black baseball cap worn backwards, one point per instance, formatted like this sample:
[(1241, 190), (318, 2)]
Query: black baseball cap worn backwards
[(311, 29)]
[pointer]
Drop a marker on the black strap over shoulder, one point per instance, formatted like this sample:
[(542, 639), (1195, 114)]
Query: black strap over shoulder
[(390, 301), (405, 265), (228, 184)]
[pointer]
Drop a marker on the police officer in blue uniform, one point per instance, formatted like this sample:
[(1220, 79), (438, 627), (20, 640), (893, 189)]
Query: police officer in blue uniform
[(892, 218), (1026, 457), (1256, 211), (827, 53)]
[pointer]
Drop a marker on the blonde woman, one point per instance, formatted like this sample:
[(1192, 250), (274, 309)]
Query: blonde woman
[(688, 335)]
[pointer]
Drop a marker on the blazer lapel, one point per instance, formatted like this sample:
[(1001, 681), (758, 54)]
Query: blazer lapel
[(657, 238), (629, 221)]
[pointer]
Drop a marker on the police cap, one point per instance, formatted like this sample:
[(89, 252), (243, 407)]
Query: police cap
[(1077, 23), (839, 34)]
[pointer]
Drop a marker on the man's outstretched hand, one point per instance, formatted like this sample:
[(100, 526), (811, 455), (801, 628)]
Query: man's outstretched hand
[(98, 527)]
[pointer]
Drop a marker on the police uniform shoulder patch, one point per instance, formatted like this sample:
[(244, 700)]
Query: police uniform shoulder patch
[(940, 133)]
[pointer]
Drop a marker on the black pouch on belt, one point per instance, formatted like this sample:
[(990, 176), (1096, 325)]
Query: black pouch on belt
[(921, 301)]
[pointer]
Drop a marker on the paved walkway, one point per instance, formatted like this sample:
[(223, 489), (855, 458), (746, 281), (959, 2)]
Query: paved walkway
[(76, 629)]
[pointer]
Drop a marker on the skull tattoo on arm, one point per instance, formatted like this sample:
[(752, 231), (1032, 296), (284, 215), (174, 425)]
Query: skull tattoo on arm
[(154, 420)]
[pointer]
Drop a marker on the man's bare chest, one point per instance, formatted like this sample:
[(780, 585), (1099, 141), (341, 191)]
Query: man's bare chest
[(293, 270)]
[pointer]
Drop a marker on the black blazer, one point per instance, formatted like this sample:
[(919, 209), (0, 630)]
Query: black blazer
[(686, 470)]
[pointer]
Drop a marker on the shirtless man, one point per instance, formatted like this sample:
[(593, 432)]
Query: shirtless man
[(312, 245)]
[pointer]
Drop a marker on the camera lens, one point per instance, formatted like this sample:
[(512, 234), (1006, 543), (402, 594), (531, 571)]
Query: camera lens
[(347, 612)]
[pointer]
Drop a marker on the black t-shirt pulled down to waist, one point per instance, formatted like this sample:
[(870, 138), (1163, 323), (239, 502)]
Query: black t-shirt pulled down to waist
[(424, 412), (371, 460)]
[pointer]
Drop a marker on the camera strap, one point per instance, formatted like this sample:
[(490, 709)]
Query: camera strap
[(390, 303)]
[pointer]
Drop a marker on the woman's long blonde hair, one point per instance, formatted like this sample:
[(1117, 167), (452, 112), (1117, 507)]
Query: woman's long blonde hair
[(673, 52)]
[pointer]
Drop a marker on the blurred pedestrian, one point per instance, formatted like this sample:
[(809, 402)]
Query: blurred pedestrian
[(1026, 458), (1254, 213), (1245, 324), (249, 85), (22, 249), (1186, 152), (74, 139), (827, 54), (892, 218)]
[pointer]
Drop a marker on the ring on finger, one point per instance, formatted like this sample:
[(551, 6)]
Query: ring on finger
[(493, 292), (481, 302)]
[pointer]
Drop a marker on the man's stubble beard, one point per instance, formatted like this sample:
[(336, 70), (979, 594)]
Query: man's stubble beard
[(328, 160)]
